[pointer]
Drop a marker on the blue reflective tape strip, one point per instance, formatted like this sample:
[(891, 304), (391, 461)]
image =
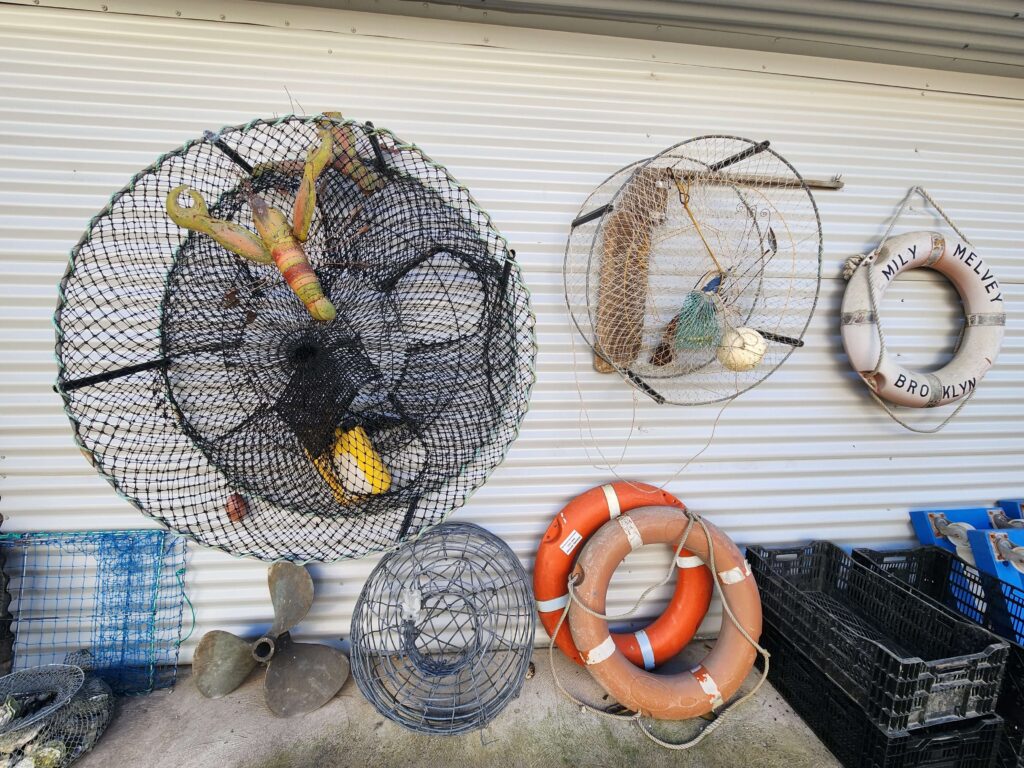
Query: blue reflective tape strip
[(645, 649)]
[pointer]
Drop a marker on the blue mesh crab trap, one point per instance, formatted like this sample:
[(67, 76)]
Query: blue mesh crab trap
[(117, 594)]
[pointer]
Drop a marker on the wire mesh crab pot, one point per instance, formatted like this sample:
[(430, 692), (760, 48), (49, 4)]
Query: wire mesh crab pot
[(52, 714), (117, 594), (443, 631), (694, 273), (308, 390)]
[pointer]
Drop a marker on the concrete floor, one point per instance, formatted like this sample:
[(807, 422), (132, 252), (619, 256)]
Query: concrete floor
[(181, 729)]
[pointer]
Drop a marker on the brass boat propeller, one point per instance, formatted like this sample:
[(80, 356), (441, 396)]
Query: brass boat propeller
[(300, 677)]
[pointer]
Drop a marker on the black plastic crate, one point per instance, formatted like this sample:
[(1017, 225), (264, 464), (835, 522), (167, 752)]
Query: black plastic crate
[(857, 741), (961, 587), (1010, 754), (906, 663), (957, 586)]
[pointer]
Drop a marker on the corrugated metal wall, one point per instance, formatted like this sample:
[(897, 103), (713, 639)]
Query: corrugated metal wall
[(88, 98), (982, 37)]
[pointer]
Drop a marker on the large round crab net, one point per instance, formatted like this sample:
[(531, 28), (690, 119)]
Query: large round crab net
[(669, 255), (443, 631), (202, 389)]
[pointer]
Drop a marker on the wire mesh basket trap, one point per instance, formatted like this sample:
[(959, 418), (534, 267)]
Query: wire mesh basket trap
[(200, 386), (55, 714), (117, 594), (443, 631), (695, 273), (32, 694)]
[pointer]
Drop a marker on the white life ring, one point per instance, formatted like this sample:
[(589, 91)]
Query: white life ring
[(984, 322)]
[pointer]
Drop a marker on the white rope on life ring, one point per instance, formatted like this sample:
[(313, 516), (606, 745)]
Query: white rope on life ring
[(983, 326)]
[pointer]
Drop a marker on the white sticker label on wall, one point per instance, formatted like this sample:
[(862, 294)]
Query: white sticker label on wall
[(571, 541)]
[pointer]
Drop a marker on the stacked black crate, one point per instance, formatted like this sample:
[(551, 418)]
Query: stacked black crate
[(962, 590), (882, 676)]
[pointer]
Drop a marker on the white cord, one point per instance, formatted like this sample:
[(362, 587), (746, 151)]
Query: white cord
[(613, 468)]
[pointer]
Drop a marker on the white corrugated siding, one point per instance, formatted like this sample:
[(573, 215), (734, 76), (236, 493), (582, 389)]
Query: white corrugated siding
[(86, 99)]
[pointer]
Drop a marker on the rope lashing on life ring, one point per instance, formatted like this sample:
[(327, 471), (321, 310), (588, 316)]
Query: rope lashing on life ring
[(864, 340), (718, 676), (741, 611)]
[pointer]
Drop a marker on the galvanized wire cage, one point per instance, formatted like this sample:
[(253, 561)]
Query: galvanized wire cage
[(200, 386), (443, 631)]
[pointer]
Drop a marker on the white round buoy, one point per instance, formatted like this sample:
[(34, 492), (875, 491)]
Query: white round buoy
[(741, 349)]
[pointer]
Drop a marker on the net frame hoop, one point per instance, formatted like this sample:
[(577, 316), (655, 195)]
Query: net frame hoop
[(75, 678), (637, 165)]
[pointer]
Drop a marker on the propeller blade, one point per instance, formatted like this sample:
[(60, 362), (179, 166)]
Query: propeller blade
[(291, 592), (303, 677), (221, 663)]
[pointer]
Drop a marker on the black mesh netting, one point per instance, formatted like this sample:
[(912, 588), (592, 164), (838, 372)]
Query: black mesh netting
[(201, 387)]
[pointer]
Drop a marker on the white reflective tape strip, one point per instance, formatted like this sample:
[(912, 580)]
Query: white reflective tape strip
[(645, 648), (554, 604), (603, 651), (735, 575), (689, 562), (708, 685), (614, 508), (631, 531)]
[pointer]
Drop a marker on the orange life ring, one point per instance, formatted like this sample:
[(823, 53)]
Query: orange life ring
[(580, 518), (665, 697)]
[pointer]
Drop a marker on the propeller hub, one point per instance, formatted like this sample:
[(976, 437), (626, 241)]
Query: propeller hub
[(263, 649)]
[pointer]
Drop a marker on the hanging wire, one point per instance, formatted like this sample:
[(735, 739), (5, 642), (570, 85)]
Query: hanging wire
[(740, 248), (180, 573)]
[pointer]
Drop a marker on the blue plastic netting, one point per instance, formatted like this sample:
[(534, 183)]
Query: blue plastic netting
[(117, 594)]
